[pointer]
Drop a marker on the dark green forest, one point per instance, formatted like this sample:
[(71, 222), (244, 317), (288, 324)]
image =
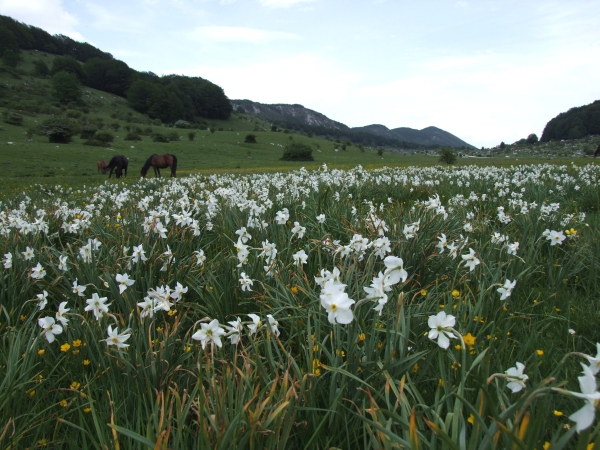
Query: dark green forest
[(168, 98), (574, 124)]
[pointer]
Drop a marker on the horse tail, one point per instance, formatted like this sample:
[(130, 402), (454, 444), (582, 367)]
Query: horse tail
[(146, 166), (174, 166)]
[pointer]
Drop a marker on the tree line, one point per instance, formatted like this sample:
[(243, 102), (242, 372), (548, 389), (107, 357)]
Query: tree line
[(168, 98)]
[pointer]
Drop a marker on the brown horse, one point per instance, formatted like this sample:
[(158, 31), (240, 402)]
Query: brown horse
[(102, 166), (160, 162), (597, 152)]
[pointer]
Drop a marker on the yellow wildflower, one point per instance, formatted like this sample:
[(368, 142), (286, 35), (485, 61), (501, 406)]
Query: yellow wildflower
[(471, 419), (558, 413), (455, 293), (469, 339), (77, 343), (540, 352), (65, 347), (41, 352)]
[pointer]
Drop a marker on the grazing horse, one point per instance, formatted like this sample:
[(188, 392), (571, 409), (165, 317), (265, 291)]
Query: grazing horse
[(160, 162), (102, 166), (119, 163), (597, 152)]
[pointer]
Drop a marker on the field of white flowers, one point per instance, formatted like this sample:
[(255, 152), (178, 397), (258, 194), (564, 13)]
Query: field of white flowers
[(411, 307)]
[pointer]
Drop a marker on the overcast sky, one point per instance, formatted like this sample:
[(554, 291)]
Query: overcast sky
[(485, 71)]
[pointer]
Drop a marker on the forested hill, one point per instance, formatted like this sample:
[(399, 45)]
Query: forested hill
[(574, 124), (299, 118), (168, 98)]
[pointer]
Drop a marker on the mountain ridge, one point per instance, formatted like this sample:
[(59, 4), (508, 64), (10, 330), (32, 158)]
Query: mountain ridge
[(297, 116)]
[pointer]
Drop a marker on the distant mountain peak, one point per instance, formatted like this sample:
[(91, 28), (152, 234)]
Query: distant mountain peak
[(297, 116)]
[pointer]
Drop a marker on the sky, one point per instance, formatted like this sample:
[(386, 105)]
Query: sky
[(486, 71)]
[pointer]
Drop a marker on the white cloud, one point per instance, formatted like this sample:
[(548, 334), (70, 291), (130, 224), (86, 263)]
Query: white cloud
[(282, 3), (49, 15), (215, 34), (307, 79)]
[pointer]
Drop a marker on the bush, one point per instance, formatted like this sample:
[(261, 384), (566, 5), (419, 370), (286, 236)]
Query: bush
[(191, 135), (13, 118), (173, 136), (40, 68), (181, 124), (297, 151), (159, 137), (447, 155), (104, 136), (73, 114), (115, 126), (132, 137), (380, 151), (250, 139), (58, 130), (88, 132), (66, 87)]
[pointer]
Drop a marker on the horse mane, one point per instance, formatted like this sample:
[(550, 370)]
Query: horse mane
[(147, 165)]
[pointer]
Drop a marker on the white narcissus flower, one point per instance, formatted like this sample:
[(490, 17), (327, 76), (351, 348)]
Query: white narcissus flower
[(337, 303), (60, 314), (506, 290), (556, 237), (200, 257), (234, 330), (117, 339), (282, 216), (97, 305), (124, 282), (585, 416), (42, 300), (256, 323), (273, 324), (50, 328), (243, 234), (440, 325), (38, 272), (28, 254), (148, 306), (471, 260), (394, 270), (8, 257), (62, 263), (245, 282), (594, 360), (209, 332), (321, 218), (516, 378), (178, 292), (299, 230), (77, 289), (138, 253), (300, 257), (512, 248)]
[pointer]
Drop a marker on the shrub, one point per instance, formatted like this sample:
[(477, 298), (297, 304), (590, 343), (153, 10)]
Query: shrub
[(57, 129), (181, 124), (159, 137), (66, 87), (40, 68), (380, 151), (297, 151), (88, 132), (73, 114), (104, 136), (13, 118), (115, 126), (191, 135), (250, 139), (447, 155), (132, 137), (173, 136)]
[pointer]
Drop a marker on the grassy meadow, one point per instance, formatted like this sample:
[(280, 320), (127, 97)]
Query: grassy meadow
[(407, 307), (357, 301)]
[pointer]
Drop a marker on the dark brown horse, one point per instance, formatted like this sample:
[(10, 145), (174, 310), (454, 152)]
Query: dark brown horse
[(119, 163), (597, 152), (102, 166), (160, 162)]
